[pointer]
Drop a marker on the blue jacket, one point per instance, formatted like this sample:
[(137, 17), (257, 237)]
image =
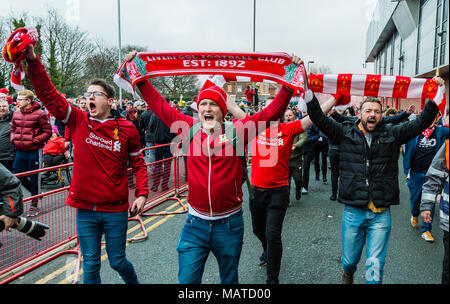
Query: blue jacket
[(410, 146), (311, 140)]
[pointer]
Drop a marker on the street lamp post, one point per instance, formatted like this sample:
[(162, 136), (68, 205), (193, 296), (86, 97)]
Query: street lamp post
[(254, 25), (120, 46)]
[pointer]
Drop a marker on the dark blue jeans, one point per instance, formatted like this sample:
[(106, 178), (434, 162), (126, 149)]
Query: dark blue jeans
[(224, 238), (28, 161), (90, 226), (415, 183)]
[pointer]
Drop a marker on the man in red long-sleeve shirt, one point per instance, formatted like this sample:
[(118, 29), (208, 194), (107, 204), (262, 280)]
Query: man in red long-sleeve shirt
[(215, 222), (99, 189), (271, 151)]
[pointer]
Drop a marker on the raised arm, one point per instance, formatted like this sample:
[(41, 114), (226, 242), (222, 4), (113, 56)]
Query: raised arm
[(234, 109), (327, 125), (160, 106), (157, 103), (46, 92), (400, 117), (326, 107), (342, 118), (405, 132)]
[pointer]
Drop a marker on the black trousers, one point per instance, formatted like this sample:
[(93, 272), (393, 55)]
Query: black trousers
[(8, 164), (307, 159), (53, 160), (268, 210), (296, 174), (321, 154), (445, 263), (334, 162)]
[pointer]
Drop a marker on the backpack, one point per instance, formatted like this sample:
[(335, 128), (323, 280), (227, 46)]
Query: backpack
[(231, 134)]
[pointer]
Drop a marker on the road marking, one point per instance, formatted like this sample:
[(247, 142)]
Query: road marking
[(72, 264), (105, 256)]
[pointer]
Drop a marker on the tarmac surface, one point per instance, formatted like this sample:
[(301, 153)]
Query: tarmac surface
[(311, 247)]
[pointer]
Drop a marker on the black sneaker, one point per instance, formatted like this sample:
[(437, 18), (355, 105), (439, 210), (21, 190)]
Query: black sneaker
[(298, 194), (333, 197), (263, 259), (272, 281)]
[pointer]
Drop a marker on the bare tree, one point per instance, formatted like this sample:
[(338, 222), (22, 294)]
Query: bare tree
[(5, 67), (68, 48), (175, 86)]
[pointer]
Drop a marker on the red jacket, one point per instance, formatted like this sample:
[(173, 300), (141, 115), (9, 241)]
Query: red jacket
[(103, 148), (55, 146), (250, 94), (30, 128), (271, 152), (216, 173)]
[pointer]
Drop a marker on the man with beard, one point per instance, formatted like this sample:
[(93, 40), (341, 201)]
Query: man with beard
[(368, 183)]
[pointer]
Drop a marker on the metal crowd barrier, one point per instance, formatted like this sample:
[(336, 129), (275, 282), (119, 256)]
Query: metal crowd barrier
[(21, 254), (161, 172)]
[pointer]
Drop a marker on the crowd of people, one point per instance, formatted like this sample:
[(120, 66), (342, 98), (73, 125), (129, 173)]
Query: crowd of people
[(362, 149)]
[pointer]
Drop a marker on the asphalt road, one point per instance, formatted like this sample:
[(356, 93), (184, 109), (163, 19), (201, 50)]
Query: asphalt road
[(311, 242)]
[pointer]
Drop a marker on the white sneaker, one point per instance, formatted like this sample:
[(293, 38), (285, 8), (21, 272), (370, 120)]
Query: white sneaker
[(304, 191)]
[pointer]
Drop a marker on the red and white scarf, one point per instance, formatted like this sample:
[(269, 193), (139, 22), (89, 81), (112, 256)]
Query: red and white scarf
[(427, 133), (275, 67), (379, 86), (14, 51), (254, 67)]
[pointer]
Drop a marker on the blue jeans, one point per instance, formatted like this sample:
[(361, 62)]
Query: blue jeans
[(415, 183), (90, 226), (224, 238), (358, 226), (149, 154)]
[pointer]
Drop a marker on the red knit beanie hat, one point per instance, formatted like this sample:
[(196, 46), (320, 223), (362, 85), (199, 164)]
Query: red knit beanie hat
[(215, 93)]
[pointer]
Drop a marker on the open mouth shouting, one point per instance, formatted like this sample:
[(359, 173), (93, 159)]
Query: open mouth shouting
[(209, 118), (92, 107)]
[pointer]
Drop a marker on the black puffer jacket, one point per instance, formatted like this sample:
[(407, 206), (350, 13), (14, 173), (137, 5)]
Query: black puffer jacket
[(7, 150), (370, 173), (11, 195)]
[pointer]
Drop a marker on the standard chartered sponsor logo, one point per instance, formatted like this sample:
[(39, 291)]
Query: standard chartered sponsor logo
[(102, 143)]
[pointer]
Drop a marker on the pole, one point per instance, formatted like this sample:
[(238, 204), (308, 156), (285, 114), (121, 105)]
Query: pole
[(120, 47), (254, 25)]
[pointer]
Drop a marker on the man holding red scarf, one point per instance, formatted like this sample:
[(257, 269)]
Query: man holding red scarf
[(215, 222), (368, 182)]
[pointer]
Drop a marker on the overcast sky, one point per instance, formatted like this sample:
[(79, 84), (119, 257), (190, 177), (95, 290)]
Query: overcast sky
[(328, 32)]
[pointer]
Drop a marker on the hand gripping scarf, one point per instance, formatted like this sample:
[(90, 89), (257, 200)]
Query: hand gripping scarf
[(14, 52)]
